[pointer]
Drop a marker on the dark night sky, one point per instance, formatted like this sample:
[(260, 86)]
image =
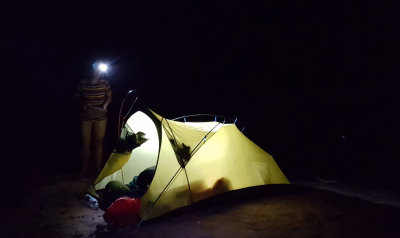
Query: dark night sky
[(298, 75)]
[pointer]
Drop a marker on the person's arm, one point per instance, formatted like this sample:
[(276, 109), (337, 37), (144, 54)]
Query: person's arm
[(108, 96), (107, 102)]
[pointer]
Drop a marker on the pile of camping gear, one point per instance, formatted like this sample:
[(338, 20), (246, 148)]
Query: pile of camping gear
[(121, 202)]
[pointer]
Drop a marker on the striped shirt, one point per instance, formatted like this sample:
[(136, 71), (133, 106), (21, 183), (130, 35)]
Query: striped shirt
[(94, 94)]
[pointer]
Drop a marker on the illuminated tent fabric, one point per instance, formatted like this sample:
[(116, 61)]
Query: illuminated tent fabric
[(220, 159)]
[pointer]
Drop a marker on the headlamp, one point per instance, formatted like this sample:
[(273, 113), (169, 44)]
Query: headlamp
[(101, 67)]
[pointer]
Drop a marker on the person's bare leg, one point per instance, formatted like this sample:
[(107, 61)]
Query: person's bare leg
[(99, 131), (86, 131)]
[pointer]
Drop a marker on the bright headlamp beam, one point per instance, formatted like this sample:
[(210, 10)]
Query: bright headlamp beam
[(103, 67)]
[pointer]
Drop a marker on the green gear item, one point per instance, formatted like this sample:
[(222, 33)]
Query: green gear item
[(115, 189)]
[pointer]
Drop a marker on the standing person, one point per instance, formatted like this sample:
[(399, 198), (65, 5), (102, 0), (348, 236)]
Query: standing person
[(94, 96)]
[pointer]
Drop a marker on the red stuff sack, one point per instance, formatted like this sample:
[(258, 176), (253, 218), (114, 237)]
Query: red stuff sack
[(123, 212)]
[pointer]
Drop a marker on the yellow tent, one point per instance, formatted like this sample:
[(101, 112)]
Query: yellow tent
[(194, 161)]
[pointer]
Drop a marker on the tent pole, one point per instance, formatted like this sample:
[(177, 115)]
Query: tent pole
[(159, 196), (190, 191), (133, 104), (204, 138), (120, 111)]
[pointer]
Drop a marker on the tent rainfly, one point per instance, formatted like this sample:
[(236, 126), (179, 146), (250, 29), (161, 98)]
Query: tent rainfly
[(193, 161)]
